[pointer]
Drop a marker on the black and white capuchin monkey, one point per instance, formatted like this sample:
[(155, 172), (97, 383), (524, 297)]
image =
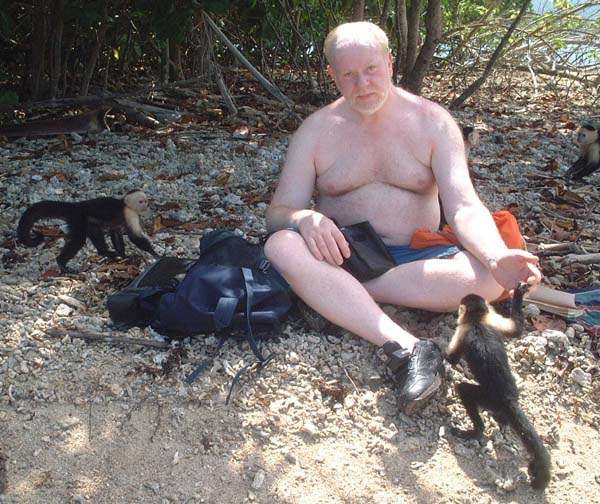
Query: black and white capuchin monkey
[(588, 140), (478, 339), (90, 219)]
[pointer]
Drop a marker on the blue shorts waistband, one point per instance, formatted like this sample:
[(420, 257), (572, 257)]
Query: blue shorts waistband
[(403, 254)]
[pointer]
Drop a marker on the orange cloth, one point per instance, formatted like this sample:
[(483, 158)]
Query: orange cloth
[(506, 223)]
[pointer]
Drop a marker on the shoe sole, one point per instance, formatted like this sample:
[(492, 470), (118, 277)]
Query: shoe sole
[(415, 405)]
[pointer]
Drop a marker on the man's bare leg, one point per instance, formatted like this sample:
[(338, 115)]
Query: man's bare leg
[(435, 284), (333, 292)]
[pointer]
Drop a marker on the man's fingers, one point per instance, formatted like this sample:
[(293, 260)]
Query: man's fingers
[(324, 249), (341, 242), (314, 249)]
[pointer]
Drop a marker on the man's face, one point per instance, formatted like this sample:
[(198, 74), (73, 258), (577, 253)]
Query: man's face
[(363, 76)]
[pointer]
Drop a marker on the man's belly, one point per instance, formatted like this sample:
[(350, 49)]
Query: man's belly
[(395, 213)]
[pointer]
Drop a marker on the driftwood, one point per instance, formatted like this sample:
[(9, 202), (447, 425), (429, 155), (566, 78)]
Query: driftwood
[(583, 258), (103, 338), (546, 249), (89, 122), (158, 112)]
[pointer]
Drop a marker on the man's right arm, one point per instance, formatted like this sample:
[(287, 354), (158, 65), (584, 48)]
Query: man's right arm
[(289, 206)]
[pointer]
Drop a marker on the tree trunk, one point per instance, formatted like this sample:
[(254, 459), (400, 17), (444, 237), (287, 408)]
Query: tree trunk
[(37, 60), (358, 10), (412, 38), (385, 12), (58, 17), (413, 81), (401, 36), (493, 60), (177, 69), (164, 61), (94, 53)]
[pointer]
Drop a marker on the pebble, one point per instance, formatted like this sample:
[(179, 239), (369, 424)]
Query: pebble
[(580, 377)]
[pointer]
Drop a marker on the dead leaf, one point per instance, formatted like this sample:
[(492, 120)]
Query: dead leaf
[(551, 166), (50, 274), (541, 322), (58, 175), (188, 226), (49, 232), (107, 177), (166, 223)]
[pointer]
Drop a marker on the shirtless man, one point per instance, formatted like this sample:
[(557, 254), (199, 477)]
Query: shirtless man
[(381, 154)]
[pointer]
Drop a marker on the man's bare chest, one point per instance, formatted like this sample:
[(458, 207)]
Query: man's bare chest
[(346, 166)]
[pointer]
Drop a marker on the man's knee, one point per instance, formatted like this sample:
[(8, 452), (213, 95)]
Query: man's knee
[(282, 245)]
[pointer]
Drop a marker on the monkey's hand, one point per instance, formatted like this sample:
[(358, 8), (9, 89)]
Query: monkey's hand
[(520, 291), (515, 266)]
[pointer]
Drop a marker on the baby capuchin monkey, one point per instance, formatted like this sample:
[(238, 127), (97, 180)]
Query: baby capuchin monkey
[(478, 339), (471, 139), (90, 219), (588, 162)]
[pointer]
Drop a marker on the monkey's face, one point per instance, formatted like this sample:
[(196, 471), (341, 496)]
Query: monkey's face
[(473, 138), (472, 306), (138, 202), (586, 135)]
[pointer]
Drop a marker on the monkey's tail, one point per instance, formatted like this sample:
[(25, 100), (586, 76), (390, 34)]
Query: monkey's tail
[(539, 466), (36, 212)]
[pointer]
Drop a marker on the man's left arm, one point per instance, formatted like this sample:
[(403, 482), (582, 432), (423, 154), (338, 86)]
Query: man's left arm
[(468, 216)]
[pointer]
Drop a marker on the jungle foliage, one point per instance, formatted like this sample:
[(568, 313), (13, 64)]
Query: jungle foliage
[(66, 48)]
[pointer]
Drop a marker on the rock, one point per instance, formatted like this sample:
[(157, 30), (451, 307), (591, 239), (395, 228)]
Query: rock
[(259, 479), (580, 377)]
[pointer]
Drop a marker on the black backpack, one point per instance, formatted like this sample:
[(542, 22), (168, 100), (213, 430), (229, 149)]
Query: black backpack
[(230, 289)]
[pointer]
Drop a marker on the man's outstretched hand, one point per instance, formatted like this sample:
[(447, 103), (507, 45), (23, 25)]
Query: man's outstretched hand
[(516, 266)]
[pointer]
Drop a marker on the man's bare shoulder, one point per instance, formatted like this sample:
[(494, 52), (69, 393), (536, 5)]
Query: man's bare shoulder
[(430, 110), (324, 117), (314, 127)]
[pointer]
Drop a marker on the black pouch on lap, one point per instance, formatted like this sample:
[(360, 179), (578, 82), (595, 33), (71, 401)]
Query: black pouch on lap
[(369, 257)]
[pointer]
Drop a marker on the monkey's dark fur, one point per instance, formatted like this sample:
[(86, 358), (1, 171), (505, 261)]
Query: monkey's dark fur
[(478, 338), (90, 218)]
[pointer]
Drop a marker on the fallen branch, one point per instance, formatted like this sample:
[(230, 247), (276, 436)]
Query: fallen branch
[(90, 122), (546, 249), (103, 338), (583, 258)]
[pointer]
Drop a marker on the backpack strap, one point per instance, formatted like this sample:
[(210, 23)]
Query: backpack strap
[(203, 365), (224, 312), (222, 317), (249, 281)]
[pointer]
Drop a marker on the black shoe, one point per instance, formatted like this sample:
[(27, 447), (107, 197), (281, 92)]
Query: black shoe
[(424, 375), (396, 360)]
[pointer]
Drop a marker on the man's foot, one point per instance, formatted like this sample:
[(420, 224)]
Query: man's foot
[(424, 375)]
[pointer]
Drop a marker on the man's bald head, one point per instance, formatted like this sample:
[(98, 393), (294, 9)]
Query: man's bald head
[(361, 33)]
